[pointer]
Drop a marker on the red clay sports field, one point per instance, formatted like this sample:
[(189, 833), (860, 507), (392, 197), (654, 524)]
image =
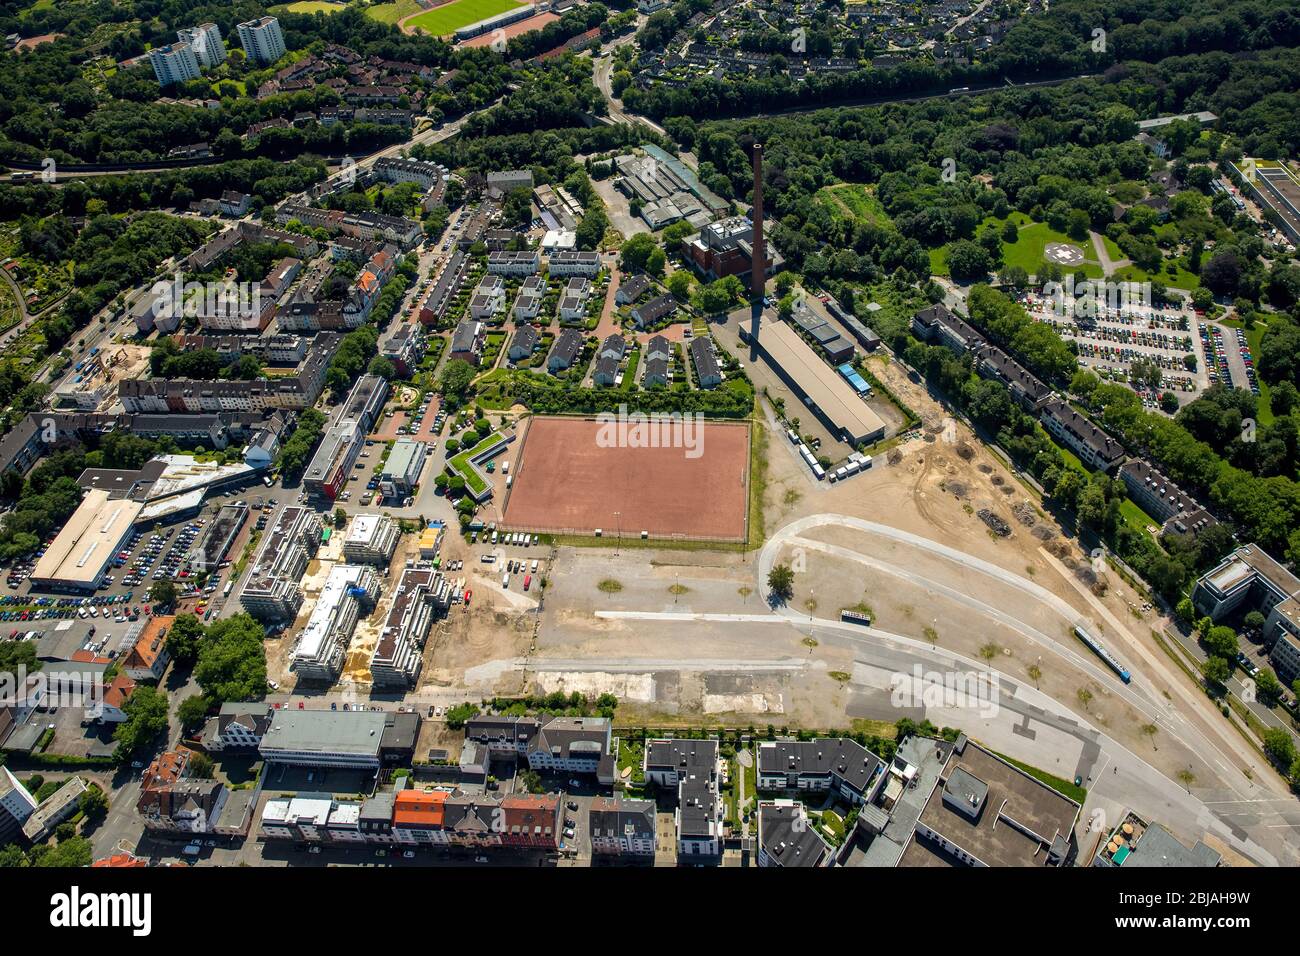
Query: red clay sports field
[(565, 482)]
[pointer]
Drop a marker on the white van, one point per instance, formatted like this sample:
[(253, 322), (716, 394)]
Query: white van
[(505, 582)]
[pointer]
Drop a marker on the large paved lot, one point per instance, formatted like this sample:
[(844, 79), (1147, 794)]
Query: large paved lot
[(567, 481)]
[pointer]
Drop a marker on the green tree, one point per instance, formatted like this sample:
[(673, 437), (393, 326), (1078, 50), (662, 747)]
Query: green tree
[(455, 380), (232, 661), (1267, 686), (93, 803), (679, 284), (458, 715), (183, 638), (780, 583), (1216, 671), (146, 718), (192, 712), (1221, 642), (163, 592), (1279, 746)]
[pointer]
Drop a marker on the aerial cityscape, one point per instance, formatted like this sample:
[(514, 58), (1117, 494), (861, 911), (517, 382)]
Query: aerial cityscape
[(657, 433)]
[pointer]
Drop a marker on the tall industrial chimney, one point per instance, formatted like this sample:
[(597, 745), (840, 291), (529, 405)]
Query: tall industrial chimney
[(759, 265)]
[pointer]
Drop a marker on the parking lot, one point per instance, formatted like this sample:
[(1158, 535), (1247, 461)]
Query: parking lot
[(98, 621), (1229, 358), (1111, 342)]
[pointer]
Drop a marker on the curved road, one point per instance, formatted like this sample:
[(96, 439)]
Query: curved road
[(1211, 740)]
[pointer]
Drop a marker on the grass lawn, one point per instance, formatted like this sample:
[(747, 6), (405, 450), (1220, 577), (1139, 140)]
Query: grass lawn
[(1065, 787), (1135, 517), (450, 17), (309, 6), (1253, 338), (390, 13), (853, 201), (460, 463), (1027, 250), (629, 376), (1180, 279), (1071, 459)]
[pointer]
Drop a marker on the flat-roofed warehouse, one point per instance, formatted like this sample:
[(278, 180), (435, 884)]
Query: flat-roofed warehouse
[(80, 554), (828, 395)]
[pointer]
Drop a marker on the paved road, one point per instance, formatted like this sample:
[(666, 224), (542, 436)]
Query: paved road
[(1033, 727), (1216, 743)]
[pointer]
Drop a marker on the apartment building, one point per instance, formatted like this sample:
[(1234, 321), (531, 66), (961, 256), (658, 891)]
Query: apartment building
[(311, 818), (174, 63), (826, 764), (349, 590), (528, 302), (148, 656), (993, 363), (788, 839), (506, 180), (171, 802), (238, 726), (262, 39), (467, 342), (396, 169), (205, 41), (331, 465), (631, 289), (422, 595), (1096, 449), (622, 828), (524, 263), (566, 263), (1163, 500), (573, 301), (404, 348), (565, 351), (401, 472), (525, 342), (559, 744), (272, 591), (694, 768), (371, 539), (16, 807), (654, 311), (489, 298), (657, 362), (193, 397), (608, 360), (705, 359), (667, 762), (939, 323)]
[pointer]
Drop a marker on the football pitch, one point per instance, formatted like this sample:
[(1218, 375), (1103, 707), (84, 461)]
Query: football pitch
[(450, 17)]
